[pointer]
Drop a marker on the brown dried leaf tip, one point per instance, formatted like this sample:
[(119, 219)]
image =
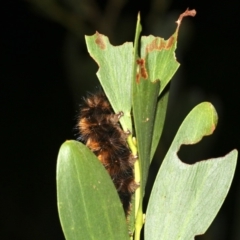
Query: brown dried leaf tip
[(100, 40), (187, 13)]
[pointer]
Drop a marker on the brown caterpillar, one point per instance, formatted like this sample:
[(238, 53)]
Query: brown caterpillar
[(100, 130)]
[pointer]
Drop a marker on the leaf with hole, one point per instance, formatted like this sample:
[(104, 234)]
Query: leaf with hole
[(186, 198)]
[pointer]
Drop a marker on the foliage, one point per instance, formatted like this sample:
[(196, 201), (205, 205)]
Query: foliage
[(185, 198)]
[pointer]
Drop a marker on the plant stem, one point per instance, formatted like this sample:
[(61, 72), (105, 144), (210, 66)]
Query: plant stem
[(139, 221), (138, 202), (138, 191)]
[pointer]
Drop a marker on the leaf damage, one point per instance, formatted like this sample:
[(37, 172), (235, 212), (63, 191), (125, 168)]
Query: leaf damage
[(100, 41), (141, 71), (187, 13), (159, 44)]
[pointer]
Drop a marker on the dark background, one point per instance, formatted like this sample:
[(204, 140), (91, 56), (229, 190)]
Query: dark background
[(38, 105)]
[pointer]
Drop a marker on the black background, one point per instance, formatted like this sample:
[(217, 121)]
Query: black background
[(38, 110)]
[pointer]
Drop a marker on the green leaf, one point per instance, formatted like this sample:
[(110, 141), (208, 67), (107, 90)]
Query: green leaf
[(186, 198), (145, 94), (136, 47), (157, 62), (159, 54), (88, 203), (159, 120), (115, 73), (134, 208)]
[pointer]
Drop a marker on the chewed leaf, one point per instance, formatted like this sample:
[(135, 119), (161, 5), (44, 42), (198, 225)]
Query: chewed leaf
[(186, 198), (115, 73), (159, 55), (157, 64), (88, 204)]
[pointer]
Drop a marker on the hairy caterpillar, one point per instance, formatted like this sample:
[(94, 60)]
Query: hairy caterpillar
[(100, 130)]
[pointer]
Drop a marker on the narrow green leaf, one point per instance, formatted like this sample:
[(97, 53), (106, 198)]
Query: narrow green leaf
[(115, 73), (159, 121), (88, 203), (131, 216), (145, 94), (186, 198)]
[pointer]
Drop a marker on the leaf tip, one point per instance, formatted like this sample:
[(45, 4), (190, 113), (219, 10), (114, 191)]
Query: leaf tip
[(214, 118), (138, 17), (187, 13), (67, 147), (100, 40)]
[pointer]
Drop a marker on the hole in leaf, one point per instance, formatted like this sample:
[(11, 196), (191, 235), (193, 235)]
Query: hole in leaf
[(202, 150)]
